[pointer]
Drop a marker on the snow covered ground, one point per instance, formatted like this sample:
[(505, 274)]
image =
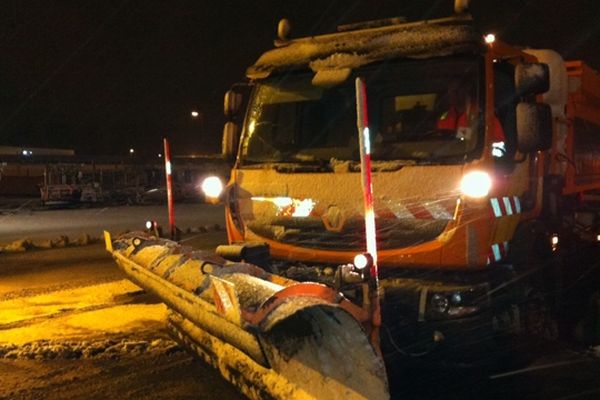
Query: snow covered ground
[(49, 224), (72, 327)]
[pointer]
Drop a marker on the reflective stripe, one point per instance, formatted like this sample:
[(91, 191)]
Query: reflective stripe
[(438, 211), (517, 204), (496, 207), (507, 205), (497, 253)]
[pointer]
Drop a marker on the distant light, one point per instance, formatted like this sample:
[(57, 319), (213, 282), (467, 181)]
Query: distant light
[(598, 238), (212, 186), (159, 155), (490, 38), (195, 114), (554, 241), (131, 151), (27, 153)]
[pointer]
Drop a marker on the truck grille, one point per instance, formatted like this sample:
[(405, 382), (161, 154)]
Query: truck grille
[(311, 233)]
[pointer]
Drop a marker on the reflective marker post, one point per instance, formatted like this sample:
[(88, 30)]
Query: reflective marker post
[(169, 178), (362, 122)]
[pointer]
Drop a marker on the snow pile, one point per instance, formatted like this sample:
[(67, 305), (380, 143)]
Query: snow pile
[(61, 241), (356, 48), (86, 349)]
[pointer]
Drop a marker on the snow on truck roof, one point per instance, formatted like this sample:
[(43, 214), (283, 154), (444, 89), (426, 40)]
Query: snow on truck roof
[(356, 48)]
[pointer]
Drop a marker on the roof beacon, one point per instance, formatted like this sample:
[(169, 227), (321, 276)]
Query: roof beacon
[(283, 30)]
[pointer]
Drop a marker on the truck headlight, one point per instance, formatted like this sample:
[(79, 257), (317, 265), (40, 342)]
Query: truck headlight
[(456, 303), (439, 303), (476, 184), (212, 187)]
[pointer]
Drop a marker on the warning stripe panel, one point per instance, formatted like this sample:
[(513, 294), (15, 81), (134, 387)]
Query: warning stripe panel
[(504, 206), (437, 210), (497, 252)]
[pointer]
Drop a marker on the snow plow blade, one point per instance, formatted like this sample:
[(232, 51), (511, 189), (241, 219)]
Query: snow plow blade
[(271, 337)]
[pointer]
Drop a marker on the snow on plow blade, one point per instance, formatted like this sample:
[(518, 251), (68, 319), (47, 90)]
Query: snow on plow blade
[(269, 336)]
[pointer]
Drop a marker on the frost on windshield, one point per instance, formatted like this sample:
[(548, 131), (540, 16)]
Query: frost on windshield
[(419, 110)]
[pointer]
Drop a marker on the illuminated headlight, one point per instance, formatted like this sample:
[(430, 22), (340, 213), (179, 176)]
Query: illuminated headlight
[(362, 261), (212, 187), (149, 224), (476, 184)]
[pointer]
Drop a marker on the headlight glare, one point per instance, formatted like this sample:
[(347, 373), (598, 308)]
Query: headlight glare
[(212, 187), (476, 184)]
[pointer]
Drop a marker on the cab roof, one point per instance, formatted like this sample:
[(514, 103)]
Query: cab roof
[(353, 49)]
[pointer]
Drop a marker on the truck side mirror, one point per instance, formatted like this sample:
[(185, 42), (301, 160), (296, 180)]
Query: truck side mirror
[(232, 103), (230, 142), (532, 79), (534, 127)]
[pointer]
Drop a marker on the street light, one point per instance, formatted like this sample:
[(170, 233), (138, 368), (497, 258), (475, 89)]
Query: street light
[(131, 151), (195, 114)]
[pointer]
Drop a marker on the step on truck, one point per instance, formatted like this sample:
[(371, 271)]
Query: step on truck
[(398, 190)]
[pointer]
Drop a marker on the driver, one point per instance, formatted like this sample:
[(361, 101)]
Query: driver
[(461, 111)]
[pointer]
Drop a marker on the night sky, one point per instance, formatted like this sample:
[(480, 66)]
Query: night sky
[(101, 76)]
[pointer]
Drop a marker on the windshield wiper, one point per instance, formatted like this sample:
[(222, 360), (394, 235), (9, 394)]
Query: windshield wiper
[(315, 166), (289, 166)]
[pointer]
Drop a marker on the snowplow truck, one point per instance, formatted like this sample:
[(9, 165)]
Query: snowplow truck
[(485, 210)]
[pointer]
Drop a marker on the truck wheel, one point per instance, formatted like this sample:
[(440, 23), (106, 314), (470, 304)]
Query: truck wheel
[(536, 271)]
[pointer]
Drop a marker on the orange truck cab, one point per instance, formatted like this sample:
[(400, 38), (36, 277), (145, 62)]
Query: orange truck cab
[(472, 225)]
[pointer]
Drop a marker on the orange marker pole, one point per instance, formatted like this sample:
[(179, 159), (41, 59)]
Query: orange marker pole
[(169, 178), (364, 140)]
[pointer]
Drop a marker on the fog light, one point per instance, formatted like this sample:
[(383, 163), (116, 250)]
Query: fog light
[(439, 303), (362, 261), (456, 298)]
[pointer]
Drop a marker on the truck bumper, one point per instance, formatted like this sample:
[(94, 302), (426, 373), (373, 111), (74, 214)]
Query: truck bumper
[(481, 335)]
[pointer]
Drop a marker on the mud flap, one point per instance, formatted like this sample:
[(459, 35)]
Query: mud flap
[(324, 351)]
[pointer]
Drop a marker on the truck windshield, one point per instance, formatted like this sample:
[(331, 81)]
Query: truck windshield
[(421, 111)]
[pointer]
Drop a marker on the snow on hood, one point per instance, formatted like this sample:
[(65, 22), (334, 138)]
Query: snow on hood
[(357, 48)]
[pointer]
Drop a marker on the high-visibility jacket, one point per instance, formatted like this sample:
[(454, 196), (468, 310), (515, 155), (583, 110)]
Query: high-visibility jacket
[(453, 119)]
